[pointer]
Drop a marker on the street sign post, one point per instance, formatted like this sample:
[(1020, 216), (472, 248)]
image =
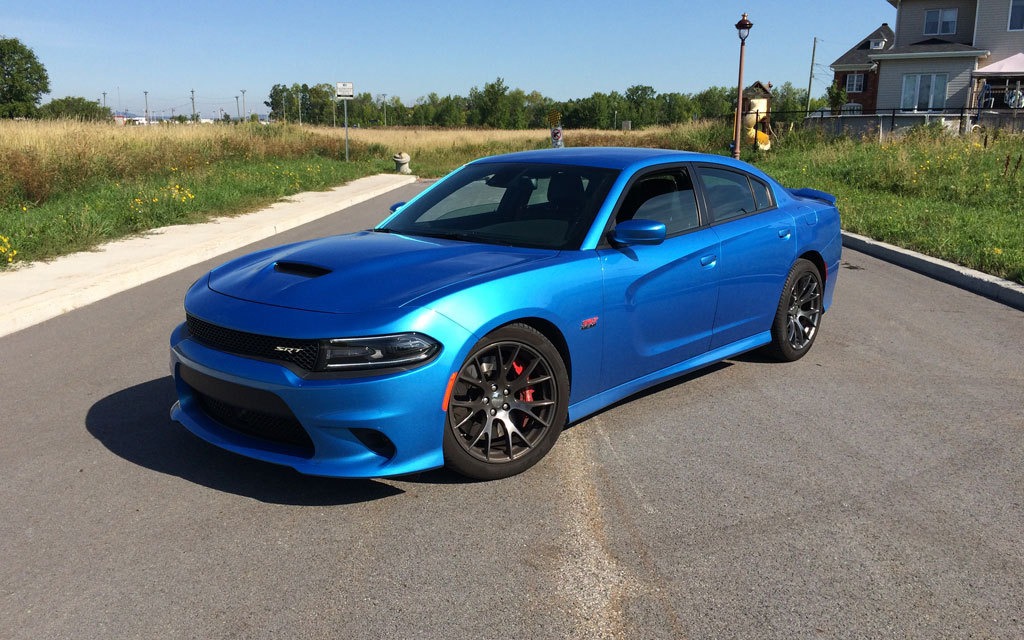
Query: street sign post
[(555, 122), (345, 91)]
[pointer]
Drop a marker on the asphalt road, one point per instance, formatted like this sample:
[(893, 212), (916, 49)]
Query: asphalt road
[(871, 490)]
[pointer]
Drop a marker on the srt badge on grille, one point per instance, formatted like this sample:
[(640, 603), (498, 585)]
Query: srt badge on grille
[(289, 349)]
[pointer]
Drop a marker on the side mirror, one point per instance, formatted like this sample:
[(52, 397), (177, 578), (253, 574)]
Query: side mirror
[(395, 207), (638, 232)]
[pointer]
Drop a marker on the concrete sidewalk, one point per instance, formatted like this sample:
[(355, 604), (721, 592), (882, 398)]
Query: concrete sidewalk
[(45, 290)]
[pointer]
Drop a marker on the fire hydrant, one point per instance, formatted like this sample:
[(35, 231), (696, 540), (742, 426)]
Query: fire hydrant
[(402, 163)]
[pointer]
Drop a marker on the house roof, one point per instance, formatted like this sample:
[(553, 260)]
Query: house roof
[(1012, 66), (930, 48), (758, 90), (857, 57)]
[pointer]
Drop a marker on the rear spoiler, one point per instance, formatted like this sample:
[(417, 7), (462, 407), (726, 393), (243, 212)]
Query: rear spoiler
[(813, 194)]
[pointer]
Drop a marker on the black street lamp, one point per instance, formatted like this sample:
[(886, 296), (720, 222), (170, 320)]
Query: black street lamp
[(743, 30)]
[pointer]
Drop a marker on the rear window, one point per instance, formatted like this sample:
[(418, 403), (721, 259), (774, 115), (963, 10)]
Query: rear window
[(731, 194)]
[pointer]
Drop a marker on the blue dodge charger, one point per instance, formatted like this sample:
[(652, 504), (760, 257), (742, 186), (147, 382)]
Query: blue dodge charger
[(518, 294)]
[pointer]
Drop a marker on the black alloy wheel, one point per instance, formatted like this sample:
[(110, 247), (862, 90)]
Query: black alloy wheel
[(507, 406), (799, 314)]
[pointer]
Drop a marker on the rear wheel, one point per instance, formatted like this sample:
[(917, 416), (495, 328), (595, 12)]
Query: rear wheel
[(799, 313), (508, 404)]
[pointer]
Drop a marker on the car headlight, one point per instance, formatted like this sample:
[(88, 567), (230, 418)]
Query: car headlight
[(377, 352)]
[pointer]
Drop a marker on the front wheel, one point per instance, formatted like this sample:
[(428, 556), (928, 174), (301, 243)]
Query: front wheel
[(798, 316), (507, 406)]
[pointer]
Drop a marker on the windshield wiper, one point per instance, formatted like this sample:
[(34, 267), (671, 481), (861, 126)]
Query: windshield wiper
[(449, 235)]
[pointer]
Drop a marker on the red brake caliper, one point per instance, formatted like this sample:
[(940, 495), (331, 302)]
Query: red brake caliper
[(526, 395)]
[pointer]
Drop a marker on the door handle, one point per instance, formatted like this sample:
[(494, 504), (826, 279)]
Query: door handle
[(708, 261), (785, 233)]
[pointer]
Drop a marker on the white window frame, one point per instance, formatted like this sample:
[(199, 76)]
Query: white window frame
[(857, 84), (1019, 5), (932, 85), (941, 19), (877, 44)]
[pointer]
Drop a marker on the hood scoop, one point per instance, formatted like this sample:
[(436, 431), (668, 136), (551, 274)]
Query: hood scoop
[(300, 269)]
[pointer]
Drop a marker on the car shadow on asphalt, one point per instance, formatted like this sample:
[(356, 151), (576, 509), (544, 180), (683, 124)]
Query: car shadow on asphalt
[(135, 424)]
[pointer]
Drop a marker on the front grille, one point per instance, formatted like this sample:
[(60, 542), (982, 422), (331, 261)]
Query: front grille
[(265, 426), (253, 412), (302, 353)]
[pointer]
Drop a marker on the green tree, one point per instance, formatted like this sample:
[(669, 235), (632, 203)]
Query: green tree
[(74, 108), (319, 104), (424, 110), (23, 79), (537, 108), (643, 105), (675, 108), (836, 97), (451, 112), (277, 101), (491, 106), (715, 102)]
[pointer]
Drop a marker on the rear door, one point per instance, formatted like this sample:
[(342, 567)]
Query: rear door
[(757, 249)]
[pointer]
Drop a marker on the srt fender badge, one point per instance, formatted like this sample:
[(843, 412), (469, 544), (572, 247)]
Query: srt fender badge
[(589, 323)]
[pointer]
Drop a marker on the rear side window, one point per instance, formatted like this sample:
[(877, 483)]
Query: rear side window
[(731, 194), (762, 194)]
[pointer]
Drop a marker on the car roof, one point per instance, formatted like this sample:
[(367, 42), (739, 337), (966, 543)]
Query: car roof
[(612, 157)]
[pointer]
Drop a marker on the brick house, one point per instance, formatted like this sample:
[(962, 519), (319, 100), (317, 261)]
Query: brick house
[(858, 74)]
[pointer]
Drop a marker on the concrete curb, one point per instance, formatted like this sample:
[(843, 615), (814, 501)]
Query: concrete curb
[(45, 290), (1004, 291)]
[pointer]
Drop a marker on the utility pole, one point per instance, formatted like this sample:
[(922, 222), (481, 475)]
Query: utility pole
[(243, 103), (239, 113), (146, 93), (104, 99), (193, 105), (384, 103), (298, 105), (810, 80)]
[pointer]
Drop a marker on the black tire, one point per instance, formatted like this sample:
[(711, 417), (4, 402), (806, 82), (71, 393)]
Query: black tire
[(508, 404), (799, 314)]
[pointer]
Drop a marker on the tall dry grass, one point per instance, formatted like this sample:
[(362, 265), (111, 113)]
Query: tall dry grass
[(45, 158)]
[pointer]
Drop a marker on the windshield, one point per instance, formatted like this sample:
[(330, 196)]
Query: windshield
[(525, 205)]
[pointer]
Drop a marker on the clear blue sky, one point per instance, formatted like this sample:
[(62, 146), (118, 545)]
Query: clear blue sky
[(409, 49)]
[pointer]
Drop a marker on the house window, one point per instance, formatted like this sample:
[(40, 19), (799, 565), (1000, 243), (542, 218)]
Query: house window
[(940, 22), (1017, 15), (923, 91), (854, 83), (878, 44)]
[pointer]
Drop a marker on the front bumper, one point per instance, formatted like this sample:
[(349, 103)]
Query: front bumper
[(357, 427)]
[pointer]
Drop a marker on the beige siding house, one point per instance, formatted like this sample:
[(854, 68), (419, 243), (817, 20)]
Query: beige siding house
[(953, 54)]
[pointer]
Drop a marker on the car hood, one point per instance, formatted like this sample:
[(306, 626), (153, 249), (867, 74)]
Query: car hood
[(362, 271)]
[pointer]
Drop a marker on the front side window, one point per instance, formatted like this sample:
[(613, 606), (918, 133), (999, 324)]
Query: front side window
[(1016, 15), (665, 196), (855, 83), (923, 91), (940, 22)]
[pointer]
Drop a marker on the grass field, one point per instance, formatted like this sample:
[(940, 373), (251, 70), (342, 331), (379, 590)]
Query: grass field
[(70, 186)]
